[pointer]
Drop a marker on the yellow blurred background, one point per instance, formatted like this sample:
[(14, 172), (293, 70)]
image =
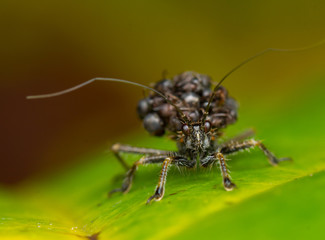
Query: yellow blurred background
[(48, 46)]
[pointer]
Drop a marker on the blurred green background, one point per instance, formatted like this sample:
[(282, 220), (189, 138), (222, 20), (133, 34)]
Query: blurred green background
[(48, 46)]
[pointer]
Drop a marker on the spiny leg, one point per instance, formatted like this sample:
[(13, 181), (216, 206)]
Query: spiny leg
[(160, 189), (232, 147), (240, 137), (227, 183), (210, 160), (127, 183), (118, 148)]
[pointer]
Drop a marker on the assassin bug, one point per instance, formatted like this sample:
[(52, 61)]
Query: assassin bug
[(195, 116)]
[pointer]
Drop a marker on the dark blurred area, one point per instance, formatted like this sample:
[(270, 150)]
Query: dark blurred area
[(47, 46)]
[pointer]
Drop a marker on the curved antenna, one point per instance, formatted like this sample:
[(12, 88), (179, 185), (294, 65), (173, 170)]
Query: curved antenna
[(49, 95), (252, 58)]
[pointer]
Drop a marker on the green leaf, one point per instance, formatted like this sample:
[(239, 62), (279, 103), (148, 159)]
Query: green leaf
[(270, 202)]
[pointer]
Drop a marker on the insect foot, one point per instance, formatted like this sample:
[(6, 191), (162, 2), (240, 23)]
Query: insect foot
[(159, 194), (228, 184), (273, 160), (127, 183)]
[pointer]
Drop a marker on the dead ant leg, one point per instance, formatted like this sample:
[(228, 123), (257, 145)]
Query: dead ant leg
[(117, 148), (232, 147), (227, 183)]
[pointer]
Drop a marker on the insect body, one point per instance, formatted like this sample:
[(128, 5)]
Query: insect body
[(194, 114), (195, 117)]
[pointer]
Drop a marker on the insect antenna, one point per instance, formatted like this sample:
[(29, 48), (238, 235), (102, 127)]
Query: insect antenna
[(206, 112), (49, 95)]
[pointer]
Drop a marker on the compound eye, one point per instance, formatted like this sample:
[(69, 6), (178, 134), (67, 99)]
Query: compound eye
[(186, 129), (207, 126)]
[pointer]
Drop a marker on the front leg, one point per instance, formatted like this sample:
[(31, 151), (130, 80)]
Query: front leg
[(218, 157), (232, 147), (118, 148), (227, 183), (127, 183), (160, 189)]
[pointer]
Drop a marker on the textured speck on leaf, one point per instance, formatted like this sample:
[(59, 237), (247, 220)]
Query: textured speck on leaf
[(284, 202)]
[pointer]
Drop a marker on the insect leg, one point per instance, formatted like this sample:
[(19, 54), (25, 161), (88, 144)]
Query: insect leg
[(127, 183), (241, 137), (117, 148), (237, 146), (208, 161), (160, 189), (227, 183)]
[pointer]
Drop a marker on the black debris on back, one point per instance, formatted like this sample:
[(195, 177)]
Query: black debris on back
[(190, 91)]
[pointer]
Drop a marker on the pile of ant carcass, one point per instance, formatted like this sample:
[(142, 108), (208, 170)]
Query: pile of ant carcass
[(191, 92)]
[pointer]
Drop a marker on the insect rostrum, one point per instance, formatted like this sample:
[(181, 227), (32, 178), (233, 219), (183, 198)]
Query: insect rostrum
[(193, 123)]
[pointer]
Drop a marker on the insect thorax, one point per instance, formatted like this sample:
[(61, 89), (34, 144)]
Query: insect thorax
[(190, 91)]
